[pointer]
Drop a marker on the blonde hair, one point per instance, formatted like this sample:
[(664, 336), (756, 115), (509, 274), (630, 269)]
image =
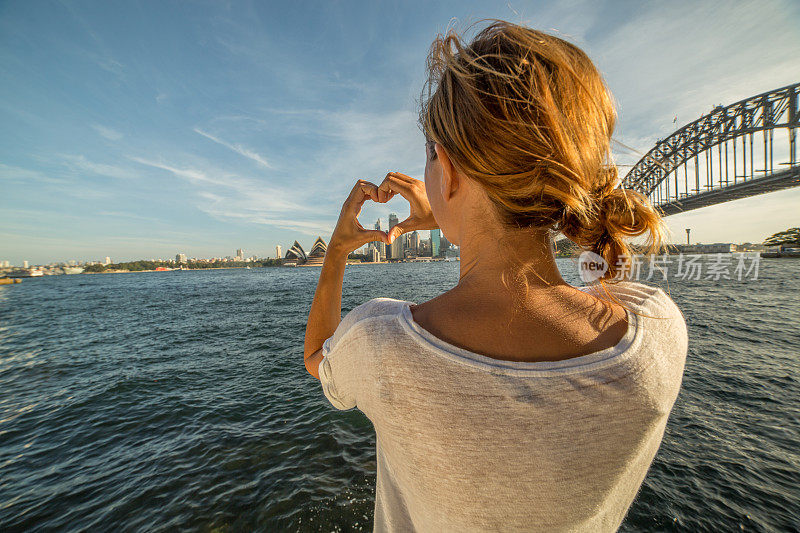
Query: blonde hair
[(528, 117)]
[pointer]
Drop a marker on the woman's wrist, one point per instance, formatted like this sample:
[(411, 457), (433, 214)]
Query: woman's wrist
[(336, 250)]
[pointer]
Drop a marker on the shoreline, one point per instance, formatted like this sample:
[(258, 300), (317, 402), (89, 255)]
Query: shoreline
[(348, 263), (172, 270)]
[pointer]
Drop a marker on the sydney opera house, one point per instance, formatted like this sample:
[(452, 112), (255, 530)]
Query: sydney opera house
[(296, 256)]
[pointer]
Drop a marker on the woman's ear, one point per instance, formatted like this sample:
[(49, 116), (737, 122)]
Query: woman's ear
[(450, 180)]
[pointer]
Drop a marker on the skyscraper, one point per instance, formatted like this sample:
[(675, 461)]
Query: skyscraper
[(278, 252), (444, 245), (436, 236), (239, 254), (414, 243), (396, 249), (378, 245)]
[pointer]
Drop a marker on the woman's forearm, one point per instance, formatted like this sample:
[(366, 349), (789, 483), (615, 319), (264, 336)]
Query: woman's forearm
[(326, 308)]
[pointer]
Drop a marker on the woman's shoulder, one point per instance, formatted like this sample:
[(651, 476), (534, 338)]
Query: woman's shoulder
[(358, 323), (659, 318), (662, 323), (376, 307), (648, 300)]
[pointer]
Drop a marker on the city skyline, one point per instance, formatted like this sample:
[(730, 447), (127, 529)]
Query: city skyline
[(241, 255), (136, 133)]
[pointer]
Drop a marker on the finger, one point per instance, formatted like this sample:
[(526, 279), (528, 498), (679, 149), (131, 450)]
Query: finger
[(377, 235), (395, 184), (361, 191), (362, 187), (403, 177), (385, 191), (400, 228), (386, 194), (370, 189)]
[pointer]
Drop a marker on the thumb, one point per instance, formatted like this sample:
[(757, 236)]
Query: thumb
[(378, 235), (399, 229)]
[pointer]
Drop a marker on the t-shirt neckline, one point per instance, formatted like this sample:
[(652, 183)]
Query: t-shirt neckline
[(584, 363)]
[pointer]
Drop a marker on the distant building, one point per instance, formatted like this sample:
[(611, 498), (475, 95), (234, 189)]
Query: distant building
[(107, 261), (375, 255), (396, 248), (750, 247), (715, 248), (378, 245), (180, 258), (414, 243), (425, 248), (278, 252), (444, 245), (24, 264), (317, 254), (295, 255), (436, 237)]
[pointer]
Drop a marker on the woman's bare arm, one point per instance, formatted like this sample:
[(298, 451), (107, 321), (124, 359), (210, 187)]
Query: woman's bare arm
[(326, 308)]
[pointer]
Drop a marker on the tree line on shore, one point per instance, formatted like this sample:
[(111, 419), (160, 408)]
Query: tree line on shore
[(564, 248), (138, 266)]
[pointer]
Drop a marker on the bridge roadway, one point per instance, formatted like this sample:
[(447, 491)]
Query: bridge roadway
[(784, 179)]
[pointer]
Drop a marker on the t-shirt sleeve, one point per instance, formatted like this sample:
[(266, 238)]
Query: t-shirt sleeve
[(331, 377), (343, 367)]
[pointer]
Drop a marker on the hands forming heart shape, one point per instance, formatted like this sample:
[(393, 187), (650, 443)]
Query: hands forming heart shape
[(350, 234)]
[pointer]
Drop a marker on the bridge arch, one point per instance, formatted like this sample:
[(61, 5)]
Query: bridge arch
[(729, 174)]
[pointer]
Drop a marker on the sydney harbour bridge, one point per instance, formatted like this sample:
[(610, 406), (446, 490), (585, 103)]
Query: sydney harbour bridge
[(740, 150)]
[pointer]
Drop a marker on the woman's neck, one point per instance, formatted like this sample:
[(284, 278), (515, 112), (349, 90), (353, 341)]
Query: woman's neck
[(518, 261)]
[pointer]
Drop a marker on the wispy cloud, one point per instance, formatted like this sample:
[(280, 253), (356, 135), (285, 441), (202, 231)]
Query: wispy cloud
[(82, 164), (108, 133), (11, 173), (306, 227), (230, 197), (189, 174), (122, 214), (238, 148), (56, 184)]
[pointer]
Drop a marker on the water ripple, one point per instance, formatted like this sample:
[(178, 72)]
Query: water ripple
[(164, 401)]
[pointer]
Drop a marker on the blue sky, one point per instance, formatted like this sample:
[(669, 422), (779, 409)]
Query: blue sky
[(144, 129)]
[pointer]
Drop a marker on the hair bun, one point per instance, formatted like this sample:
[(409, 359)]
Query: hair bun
[(618, 214), (624, 211)]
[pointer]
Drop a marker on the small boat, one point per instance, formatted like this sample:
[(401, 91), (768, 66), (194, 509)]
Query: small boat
[(782, 251), (25, 273)]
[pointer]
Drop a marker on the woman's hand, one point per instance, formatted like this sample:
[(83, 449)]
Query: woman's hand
[(349, 233), (413, 190)]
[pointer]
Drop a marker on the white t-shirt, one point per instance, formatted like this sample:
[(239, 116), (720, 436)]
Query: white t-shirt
[(466, 442)]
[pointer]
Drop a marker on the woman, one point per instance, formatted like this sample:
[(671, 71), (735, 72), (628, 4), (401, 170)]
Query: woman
[(513, 401)]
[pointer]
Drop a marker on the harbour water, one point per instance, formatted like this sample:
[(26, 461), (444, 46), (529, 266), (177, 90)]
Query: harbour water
[(178, 400)]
